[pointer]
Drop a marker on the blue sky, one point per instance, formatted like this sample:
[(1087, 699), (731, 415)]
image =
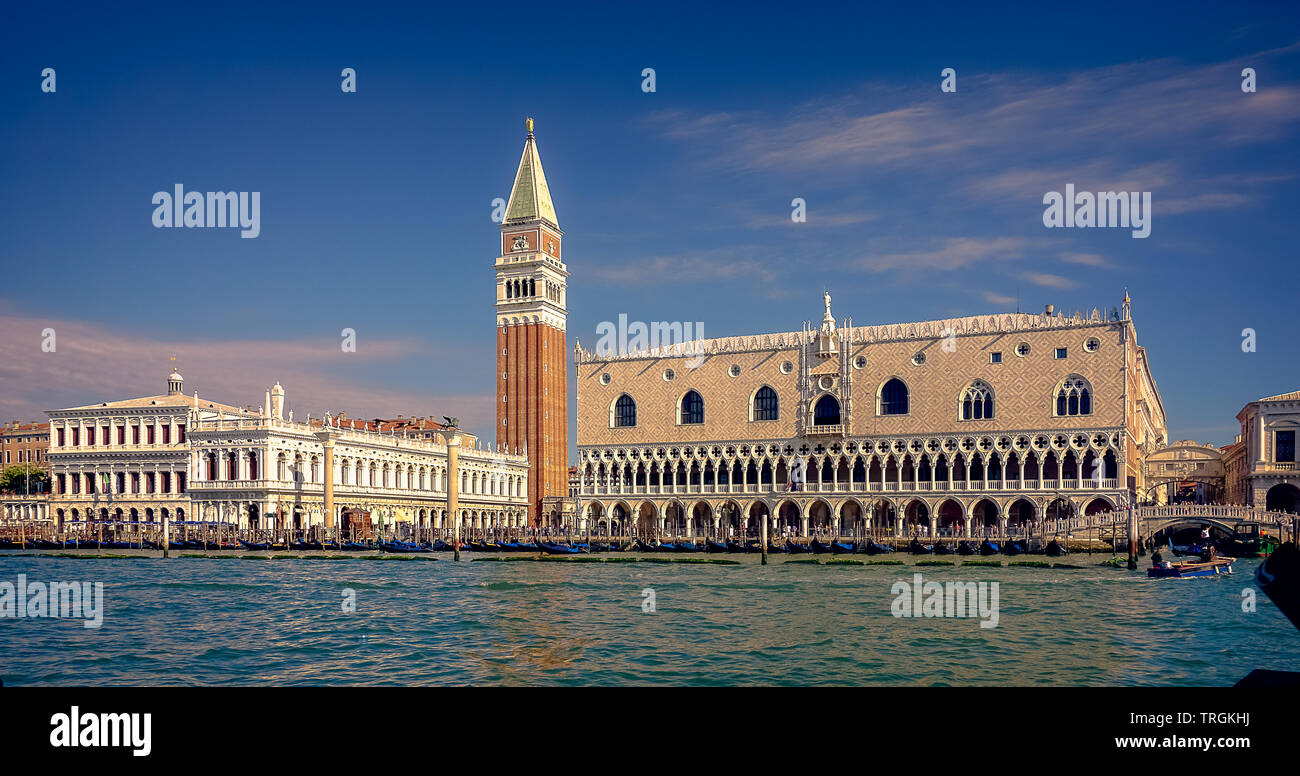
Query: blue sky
[(676, 204)]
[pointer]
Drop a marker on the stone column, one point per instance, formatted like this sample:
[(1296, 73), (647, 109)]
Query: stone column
[(326, 438), (453, 488)]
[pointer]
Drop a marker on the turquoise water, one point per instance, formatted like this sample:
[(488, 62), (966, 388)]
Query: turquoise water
[(281, 622)]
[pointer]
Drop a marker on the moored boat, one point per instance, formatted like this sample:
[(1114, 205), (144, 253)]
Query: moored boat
[(558, 549), (967, 548), (712, 545), (819, 548), (1211, 568), (1014, 547), (943, 548), (1055, 549), (989, 548), (916, 548)]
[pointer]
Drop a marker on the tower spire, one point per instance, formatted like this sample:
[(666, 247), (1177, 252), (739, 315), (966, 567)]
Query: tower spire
[(530, 198)]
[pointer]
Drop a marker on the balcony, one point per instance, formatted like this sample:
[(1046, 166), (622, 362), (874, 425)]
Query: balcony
[(835, 430)]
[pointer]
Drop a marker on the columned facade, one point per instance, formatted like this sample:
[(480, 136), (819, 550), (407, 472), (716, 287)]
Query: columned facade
[(955, 427)]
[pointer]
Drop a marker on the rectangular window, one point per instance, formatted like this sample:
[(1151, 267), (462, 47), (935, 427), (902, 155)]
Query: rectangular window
[(1285, 444), (60, 438), (76, 437), (167, 434), (180, 434), (135, 434), (1060, 352), (148, 433), (121, 435), (995, 357)]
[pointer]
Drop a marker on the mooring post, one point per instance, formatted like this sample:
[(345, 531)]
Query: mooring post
[(1132, 540), (763, 538), (166, 538)]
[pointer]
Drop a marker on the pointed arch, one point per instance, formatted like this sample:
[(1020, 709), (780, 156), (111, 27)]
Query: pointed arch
[(892, 398), (764, 404), (622, 412), (976, 402), (690, 408), (826, 411), (1073, 396)]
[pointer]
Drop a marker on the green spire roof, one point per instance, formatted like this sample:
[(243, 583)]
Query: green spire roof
[(530, 199)]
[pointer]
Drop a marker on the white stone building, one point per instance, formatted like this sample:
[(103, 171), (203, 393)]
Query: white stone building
[(188, 459)]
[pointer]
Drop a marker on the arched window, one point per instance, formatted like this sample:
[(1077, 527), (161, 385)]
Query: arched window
[(692, 408), (893, 398), (624, 411), (1074, 397), (765, 404), (826, 412), (977, 401)]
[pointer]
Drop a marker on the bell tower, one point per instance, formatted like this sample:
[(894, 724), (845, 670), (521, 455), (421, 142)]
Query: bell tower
[(532, 379)]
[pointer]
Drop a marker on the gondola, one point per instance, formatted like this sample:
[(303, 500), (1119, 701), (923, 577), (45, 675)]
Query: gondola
[(736, 547), (1013, 548), (256, 546), (478, 546), (644, 546), (943, 548), (401, 547), (966, 548), (311, 545), (780, 547), (840, 548), (687, 547), (916, 548), (529, 547), (873, 548), (712, 545), (1055, 549), (1211, 568), (794, 548), (357, 547), (558, 549), (989, 548), (818, 548)]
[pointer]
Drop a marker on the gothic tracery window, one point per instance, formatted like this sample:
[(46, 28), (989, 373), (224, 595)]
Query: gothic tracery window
[(977, 401), (1074, 397)]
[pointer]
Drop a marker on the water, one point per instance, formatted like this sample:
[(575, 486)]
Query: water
[(281, 622)]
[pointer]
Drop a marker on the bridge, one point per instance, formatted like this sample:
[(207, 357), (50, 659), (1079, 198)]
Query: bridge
[(1151, 520)]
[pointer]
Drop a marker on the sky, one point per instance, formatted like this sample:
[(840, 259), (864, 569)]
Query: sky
[(676, 203)]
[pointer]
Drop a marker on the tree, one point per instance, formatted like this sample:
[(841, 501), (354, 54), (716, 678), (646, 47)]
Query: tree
[(14, 479)]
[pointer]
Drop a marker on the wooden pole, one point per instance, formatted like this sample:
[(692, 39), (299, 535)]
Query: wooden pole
[(166, 536), (1132, 540), (763, 538)]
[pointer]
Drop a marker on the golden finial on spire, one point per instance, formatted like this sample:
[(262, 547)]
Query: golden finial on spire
[(528, 122)]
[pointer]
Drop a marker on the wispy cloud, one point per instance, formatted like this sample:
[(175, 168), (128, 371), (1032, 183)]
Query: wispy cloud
[(950, 254), (93, 364), (1049, 280), (1087, 259)]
